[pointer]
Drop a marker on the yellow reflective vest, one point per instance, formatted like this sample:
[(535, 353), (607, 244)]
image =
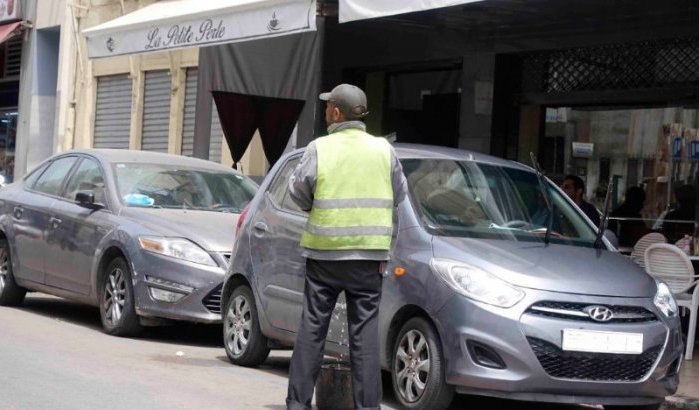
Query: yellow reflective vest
[(353, 198)]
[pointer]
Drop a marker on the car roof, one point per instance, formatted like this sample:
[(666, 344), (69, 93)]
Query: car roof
[(421, 151), (126, 155), (407, 151)]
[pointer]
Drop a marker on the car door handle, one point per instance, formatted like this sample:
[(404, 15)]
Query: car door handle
[(54, 222), (261, 226), (18, 211)]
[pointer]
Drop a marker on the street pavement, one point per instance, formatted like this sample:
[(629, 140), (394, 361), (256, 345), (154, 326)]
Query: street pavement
[(53, 355)]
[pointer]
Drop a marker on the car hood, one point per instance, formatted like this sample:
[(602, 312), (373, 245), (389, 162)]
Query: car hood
[(213, 231), (555, 268)]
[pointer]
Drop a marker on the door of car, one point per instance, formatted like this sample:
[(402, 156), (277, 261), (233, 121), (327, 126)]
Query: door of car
[(277, 258), (75, 231), (30, 218), (276, 229)]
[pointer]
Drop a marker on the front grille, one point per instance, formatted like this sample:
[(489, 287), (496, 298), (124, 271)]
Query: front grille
[(575, 311), (212, 301), (593, 366)]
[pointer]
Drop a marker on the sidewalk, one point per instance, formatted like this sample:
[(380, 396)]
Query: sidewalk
[(687, 396)]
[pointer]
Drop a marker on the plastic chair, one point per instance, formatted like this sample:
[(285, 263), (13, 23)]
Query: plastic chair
[(671, 265), (639, 249)]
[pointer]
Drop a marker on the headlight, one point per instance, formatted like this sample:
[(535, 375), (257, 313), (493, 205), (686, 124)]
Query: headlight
[(476, 283), (664, 300), (177, 248)]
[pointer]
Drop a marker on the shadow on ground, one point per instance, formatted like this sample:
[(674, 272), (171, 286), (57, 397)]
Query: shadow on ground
[(64, 310)]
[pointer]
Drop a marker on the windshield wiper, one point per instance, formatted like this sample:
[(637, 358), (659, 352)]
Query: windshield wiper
[(605, 215), (544, 193)]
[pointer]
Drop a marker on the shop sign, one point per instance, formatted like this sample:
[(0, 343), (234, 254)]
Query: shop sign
[(10, 10), (557, 114), (694, 150), (583, 149), (224, 27), (677, 147)]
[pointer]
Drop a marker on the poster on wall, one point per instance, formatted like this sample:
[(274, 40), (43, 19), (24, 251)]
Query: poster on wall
[(10, 10)]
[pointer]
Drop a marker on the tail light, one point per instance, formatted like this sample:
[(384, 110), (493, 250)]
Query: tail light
[(241, 218)]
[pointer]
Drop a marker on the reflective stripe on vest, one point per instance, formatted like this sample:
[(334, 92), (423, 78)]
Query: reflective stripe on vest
[(353, 199)]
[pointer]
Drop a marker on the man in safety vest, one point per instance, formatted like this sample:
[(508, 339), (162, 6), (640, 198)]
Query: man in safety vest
[(350, 182)]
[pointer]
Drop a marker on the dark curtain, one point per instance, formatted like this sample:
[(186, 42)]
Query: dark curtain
[(238, 121), (284, 69), (276, 120), (241, 115)]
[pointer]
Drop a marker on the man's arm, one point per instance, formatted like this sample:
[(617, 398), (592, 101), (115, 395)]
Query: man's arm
[(302, 183)]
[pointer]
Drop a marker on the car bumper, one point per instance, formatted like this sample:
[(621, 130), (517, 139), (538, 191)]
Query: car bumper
[(536, 368), (201, 304)]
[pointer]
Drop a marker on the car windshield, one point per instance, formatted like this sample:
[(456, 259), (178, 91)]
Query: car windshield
[(169, 186), (470, 199)]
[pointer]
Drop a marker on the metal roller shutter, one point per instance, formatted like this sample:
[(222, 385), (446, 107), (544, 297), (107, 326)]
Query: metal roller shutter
[(216, 141), (113, 112), (190, 109), (156, 111)]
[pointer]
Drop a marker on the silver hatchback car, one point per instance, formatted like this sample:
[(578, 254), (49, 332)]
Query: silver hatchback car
[(492, 290)]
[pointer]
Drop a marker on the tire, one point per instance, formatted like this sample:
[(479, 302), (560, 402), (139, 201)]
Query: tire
[(418, 342), (117, 309), (10, 293), (242, 338), (656, 406)]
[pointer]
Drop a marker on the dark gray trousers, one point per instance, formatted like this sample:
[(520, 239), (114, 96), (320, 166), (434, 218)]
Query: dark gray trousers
[(361, 282)]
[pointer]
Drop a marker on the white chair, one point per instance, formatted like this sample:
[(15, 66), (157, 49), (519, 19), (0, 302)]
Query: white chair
[(671, 265), (639, 249)]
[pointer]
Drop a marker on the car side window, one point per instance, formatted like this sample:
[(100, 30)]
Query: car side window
[(87, 177), (51, 181), (279, 190)]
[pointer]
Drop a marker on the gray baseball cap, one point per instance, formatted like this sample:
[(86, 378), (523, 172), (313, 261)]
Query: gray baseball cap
[(350, 99)]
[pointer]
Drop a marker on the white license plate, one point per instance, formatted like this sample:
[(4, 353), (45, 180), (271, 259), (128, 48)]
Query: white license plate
[(602, 342)]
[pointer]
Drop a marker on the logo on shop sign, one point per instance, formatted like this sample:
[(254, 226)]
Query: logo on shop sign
[(273, 24), (599, 313), (111, 44)]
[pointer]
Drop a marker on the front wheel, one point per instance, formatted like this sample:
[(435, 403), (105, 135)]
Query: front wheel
[(418, 368), (244, 342), (117, 309), (10, 293)]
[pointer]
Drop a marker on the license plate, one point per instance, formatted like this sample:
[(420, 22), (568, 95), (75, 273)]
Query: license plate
[(594, 341)]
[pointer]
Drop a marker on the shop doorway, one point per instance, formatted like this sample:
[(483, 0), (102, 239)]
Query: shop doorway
[(417, 103), (8, 134)]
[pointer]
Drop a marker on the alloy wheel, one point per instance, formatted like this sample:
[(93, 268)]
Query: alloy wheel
[(412, 365), (238, 325), (114, 296)]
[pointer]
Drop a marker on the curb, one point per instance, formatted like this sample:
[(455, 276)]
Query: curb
[(682, 402)]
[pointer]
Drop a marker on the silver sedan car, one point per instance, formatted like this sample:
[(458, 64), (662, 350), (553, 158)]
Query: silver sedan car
[(498, 286), (144, 236)]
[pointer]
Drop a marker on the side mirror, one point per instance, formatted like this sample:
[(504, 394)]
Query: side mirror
[(86, 199)]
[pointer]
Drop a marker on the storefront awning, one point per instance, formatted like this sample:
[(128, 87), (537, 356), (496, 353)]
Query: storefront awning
[(173, 24), (7, 31), (351, 10)]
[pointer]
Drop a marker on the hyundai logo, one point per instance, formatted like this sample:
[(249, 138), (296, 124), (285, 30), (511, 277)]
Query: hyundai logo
[(599, 313)]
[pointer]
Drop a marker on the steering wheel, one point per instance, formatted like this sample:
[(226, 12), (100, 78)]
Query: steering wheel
[(516, 223)]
